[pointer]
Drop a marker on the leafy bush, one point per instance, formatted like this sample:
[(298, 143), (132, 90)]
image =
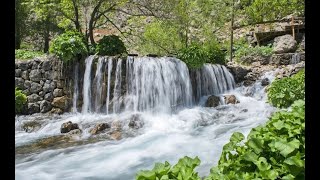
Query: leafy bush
[(275, 151), (69, 45), (110, 46), (183, 170), (196, 55), (283, 92), (20, 101), (27, 54), (253, 51)]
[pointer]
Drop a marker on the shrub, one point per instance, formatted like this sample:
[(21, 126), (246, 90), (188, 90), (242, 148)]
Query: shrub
[(20, 101), (253, 51), (69, 45), (184, 169), (110, 46), (196, 54), (283, 92), (27, 54), (274, 151)]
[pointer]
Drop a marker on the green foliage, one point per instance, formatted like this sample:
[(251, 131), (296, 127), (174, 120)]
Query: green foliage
[(245, 50), (69, 45), (196, 55), (110, 46), (183, 170), (20, 101), (283, 92), (265, 10), (27, 54), (274, 151)]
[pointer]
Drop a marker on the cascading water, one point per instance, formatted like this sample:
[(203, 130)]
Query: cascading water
[(75, 88), (155, 112), (117, 88), (295, 59), (86, 107), (109, 81), (98, 78)]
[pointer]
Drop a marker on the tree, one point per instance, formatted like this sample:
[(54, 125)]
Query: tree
[(21, 16)]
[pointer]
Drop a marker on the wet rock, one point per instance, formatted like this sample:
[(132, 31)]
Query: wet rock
[(244, 110), (265, 82), (33, 108), (25, 75), (34, 98), (35, 87), (99, 128), (18, 73), (212, 101), (116, 135), (23, 65), (56, 111), (48, 96), (35, 75), (45, 106), (68, 126), (231, 99), (57, 93), (46, 65), (284, 44), (136, 122), (60, 102), (31, 126), (74, 132), (238, 72), (19, 82)]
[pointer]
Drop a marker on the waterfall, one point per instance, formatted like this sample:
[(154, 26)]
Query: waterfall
[(117, 88), (109, 79), (212, 79), (157, 85), (98, 78), (75, 88), (295, 59), (86, 107)]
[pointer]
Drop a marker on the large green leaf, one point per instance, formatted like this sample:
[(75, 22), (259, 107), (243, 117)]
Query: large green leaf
[(256, 144), (285, 147)]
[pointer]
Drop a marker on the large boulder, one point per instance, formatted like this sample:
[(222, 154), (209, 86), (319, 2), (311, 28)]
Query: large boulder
[(284, 44), (60, 102), (213, 101), (230, 99), (68, 126), (45, 106), (99, 128)]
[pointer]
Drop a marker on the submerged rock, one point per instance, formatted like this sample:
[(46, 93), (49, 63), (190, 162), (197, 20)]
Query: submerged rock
[(116, 125), (213, 101), (265, 82), (99, 128), (136, 122), (31, 126), (231, 99), (68, 126), (115, 135)]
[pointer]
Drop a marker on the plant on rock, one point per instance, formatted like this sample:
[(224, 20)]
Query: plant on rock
[(20, 101), (283, 92), (69, 45), (110, 46), (183, 170)]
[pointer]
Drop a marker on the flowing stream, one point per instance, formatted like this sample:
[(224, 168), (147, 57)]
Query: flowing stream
[(164, 97)]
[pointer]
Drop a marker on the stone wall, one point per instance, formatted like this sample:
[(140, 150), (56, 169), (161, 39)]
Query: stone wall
[(44, 82)]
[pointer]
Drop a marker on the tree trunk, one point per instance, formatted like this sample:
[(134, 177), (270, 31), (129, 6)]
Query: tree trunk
[(46, 36), (231, 37), (76, 13)]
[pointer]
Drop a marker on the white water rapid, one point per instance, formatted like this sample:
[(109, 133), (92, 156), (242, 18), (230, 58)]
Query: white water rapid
[(160, 96)]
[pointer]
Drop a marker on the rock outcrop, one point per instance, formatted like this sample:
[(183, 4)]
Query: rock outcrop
[(68, 126), (284, 44), (212, 101)]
